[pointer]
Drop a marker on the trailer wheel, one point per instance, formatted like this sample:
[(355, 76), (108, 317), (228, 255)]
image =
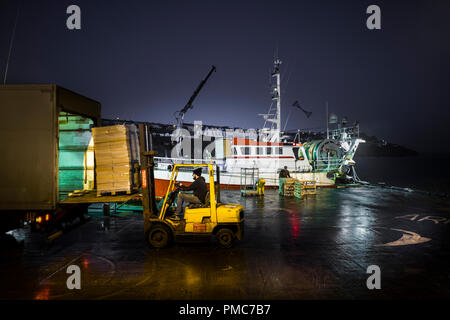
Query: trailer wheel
[(225, 237), (159, 236)]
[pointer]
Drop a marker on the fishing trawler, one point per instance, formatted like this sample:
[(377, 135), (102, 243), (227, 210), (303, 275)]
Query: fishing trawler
[(326, 161)]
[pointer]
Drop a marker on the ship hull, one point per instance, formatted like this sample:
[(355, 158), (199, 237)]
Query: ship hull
[(232, 180)]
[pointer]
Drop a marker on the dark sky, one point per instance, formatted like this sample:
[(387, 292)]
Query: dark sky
[(143, 59)]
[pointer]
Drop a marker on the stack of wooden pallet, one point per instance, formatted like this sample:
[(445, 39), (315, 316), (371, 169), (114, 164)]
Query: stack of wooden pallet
[(116, 153), (309, 187), (288, 187)]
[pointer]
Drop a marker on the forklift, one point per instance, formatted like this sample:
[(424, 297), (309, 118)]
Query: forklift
[(200, 222)]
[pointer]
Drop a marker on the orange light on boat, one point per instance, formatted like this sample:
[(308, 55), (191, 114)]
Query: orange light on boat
[(39, 219), (47, 217)]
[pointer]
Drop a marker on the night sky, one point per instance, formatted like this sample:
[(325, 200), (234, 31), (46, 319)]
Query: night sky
[(143, 59)]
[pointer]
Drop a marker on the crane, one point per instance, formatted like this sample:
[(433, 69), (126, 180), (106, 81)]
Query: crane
[(179, 115)]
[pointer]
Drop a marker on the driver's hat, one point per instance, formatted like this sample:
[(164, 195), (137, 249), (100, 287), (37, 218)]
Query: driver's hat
[(198, 171)]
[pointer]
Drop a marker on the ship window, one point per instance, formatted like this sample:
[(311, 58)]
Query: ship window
[(245, 150), (259, 150), (269, 150), (280, 150), (234, 151)]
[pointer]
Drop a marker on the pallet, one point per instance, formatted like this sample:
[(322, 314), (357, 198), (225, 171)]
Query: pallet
[(78, 193), (116, 153), (93, 198), (113, 193)]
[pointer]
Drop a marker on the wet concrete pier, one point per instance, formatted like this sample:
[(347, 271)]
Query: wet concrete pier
[(316, 248)]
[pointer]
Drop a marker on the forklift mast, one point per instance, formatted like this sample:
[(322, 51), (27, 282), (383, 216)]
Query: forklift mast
[(147, 174), (218, 184)]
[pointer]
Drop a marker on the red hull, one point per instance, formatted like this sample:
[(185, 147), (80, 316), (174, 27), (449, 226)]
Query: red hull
[(162, 185)]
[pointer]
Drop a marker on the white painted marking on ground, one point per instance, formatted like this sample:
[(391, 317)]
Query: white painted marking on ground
[(410, 217), (407, 238), (435, 219)]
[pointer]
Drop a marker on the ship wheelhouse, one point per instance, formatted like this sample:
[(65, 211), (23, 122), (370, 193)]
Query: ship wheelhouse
[(270, 156)]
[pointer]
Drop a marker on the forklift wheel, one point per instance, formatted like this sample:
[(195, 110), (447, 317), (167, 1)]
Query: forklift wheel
[(225, 237), (158, 236)]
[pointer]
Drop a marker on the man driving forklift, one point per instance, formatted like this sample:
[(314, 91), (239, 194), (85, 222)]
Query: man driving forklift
[(223, 221), (198, 187)]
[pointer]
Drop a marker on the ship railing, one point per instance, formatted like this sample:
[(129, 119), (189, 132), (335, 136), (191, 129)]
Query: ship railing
[(164, 160), (327, 165), (352, 132)]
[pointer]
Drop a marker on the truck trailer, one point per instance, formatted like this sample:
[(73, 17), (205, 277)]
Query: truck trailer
[(49, 175), (47, 153)]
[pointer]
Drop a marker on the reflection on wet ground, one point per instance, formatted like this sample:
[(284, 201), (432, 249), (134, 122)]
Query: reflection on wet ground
[(315, 248)]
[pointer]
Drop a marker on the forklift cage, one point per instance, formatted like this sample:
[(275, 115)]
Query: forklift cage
[(212, 191)]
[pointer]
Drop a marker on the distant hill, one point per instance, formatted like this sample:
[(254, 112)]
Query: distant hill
[(375, 147)]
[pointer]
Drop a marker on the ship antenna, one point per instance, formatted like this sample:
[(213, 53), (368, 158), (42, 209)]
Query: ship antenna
[(276, 74), (328, 136), (11, 42)]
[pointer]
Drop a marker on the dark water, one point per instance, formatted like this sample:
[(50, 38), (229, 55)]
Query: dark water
[(429, 173)]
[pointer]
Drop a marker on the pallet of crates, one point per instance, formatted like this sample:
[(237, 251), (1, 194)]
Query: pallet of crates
[(298, 189), (288, 187), (309, 187), (116, 154)]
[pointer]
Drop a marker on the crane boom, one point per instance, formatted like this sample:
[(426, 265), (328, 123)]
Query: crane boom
[(179, 115)]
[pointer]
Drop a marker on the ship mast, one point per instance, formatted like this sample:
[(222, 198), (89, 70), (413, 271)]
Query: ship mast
[(277, 95), (274, 132)]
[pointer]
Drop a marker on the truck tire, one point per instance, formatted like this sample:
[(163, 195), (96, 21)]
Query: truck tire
[(159, 236), (225, 237)]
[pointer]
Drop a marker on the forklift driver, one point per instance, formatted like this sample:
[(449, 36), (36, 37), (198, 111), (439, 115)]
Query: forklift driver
[(199, 189)]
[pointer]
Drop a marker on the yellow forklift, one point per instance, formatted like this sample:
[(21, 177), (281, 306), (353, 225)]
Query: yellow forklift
[(200, 221)]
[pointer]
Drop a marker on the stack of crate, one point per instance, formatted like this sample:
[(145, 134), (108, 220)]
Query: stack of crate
[(298, 189), (305, 187), (116, 153), (288, 187), (309, 187)]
